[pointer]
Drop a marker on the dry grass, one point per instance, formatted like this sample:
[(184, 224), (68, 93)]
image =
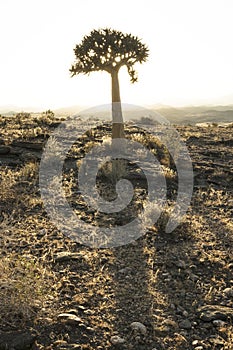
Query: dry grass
[(25, 286), (156, 280)]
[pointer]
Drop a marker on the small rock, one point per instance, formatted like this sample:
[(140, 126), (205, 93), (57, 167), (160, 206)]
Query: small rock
[(219, 323), (73, 312), (208, 313), (70, 319), (90, 329), (166, 274), (125, 270), (66, 256), (139, 327), (81, 308), (116, 340), (228, 292), (185, 313), (179, 310), (170, 323), (185, 324)]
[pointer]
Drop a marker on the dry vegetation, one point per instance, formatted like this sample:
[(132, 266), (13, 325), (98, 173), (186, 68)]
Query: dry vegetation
[(160, 280)]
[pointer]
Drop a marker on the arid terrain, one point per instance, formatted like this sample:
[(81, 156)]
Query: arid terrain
[(163, 291)]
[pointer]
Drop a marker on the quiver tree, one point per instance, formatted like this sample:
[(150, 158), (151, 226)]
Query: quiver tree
[(109, 50)]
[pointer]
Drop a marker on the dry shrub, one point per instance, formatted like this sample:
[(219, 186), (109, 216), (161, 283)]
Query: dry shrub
[(25, 286), (155, 146)]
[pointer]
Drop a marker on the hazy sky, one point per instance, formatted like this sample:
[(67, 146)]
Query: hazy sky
[(190, 42)]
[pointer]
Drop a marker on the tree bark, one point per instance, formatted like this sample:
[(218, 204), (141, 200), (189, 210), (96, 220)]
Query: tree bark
[(117, 118)]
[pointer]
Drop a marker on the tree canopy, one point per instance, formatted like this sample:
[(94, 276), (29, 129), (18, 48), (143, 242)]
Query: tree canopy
[(108, 50)]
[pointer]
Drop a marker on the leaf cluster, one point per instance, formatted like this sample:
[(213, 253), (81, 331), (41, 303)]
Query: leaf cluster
[(108, 50)]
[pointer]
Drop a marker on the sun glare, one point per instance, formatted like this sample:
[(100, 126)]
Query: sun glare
[(190, 60)]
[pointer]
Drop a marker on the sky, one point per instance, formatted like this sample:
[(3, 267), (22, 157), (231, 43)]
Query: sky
[(190, 60)]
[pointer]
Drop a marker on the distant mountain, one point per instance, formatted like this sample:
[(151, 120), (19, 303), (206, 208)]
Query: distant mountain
[(175, 115), (197, 114), (12, 109), (70, 110)]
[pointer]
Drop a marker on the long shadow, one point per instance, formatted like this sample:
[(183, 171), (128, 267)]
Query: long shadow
[(134, 301)]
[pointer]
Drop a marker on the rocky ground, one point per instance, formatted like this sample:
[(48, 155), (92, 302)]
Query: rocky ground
[(162, 291)]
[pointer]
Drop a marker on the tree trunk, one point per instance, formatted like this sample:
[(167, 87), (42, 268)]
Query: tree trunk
[(117, 118)]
